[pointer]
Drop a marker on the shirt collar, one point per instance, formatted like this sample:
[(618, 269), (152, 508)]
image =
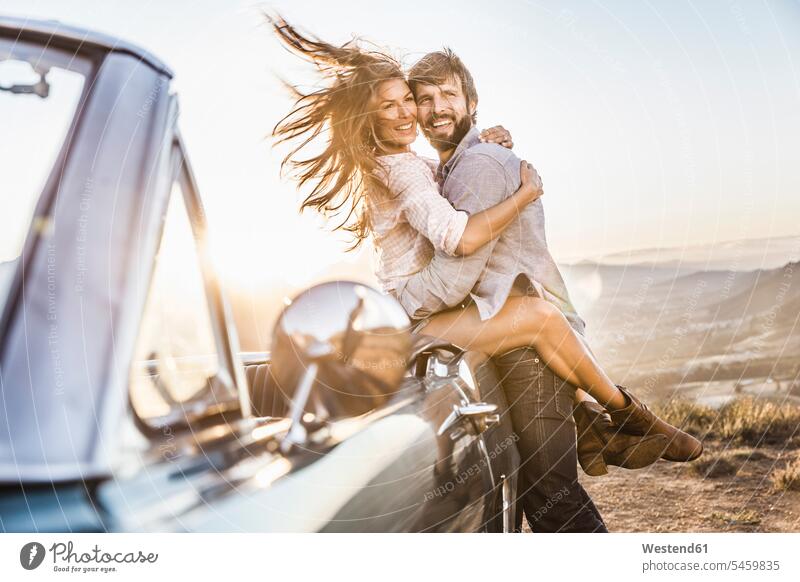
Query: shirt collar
[(470, 139)]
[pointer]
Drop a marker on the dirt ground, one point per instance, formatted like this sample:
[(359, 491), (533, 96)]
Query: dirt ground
[(676, 497)]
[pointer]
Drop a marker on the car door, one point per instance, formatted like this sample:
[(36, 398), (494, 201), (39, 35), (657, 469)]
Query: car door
[(433, 479), (408, 466)]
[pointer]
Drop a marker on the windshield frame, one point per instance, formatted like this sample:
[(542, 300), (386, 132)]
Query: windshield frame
[(86, 64)]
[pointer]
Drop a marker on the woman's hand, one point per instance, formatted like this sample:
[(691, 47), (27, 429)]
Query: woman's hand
[(497, 134), (530, 181)]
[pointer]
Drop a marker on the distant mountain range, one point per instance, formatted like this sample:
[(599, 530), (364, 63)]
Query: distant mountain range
[(737, 255)]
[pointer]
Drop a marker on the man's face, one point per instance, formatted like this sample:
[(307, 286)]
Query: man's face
[(443, 113)]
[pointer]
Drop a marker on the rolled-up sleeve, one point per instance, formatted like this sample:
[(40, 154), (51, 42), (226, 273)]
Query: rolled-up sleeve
[(424, 208)]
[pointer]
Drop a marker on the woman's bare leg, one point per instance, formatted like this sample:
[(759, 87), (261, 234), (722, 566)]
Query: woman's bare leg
[(530, 321), (580, 395)]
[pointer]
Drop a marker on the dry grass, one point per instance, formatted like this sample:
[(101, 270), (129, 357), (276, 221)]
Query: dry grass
[(746, 517), (714, 465), (725, 463), (747, 421), (787, 478)]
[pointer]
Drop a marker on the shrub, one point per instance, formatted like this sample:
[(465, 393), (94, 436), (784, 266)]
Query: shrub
[(689, 416), (787, 478), (748, 421)]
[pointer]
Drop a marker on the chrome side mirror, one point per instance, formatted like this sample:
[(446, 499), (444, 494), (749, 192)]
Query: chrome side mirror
[(340, 349)]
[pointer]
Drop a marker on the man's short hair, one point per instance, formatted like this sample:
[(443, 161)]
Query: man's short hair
[(440, 66)]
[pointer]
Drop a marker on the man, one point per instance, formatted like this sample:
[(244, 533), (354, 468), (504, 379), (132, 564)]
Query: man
[(473, 177)]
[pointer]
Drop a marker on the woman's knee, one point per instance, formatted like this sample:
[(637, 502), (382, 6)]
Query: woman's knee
[(539, 308), (533, 314)]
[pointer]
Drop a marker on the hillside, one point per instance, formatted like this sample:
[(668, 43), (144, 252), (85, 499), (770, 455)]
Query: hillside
[(665, 328)]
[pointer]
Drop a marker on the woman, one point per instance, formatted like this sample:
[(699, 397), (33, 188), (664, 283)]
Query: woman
[(367, 174)]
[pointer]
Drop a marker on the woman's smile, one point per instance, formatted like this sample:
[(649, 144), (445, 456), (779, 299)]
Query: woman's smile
[(409, 128)]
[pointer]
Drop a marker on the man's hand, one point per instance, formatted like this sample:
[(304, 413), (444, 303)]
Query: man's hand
[(530, 181), (497, 134)]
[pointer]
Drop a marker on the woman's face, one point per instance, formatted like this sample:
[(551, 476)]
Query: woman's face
[(395, 116)]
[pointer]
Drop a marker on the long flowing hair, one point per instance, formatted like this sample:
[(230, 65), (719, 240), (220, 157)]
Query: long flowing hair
[(338, 116)]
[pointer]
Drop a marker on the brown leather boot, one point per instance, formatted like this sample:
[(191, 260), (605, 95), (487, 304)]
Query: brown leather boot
[(636, 418), (600, 443)]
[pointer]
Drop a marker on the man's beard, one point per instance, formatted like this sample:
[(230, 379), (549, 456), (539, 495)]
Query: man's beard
[(460, 129)]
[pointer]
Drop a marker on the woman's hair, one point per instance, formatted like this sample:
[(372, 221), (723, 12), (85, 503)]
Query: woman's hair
[(344, 171)]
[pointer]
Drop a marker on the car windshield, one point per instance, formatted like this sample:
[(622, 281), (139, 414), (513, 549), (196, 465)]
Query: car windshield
[(40, 89)]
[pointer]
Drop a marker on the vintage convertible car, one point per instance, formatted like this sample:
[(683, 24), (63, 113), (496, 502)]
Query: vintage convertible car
[(126, 403)]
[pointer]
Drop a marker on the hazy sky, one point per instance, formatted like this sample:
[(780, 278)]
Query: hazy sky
[(652, 123)]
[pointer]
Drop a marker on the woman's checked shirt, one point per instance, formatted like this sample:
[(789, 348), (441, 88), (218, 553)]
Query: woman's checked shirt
[(412, 220)]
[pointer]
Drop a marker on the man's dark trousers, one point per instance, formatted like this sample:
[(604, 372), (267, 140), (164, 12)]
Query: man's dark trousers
[(541, 413)]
